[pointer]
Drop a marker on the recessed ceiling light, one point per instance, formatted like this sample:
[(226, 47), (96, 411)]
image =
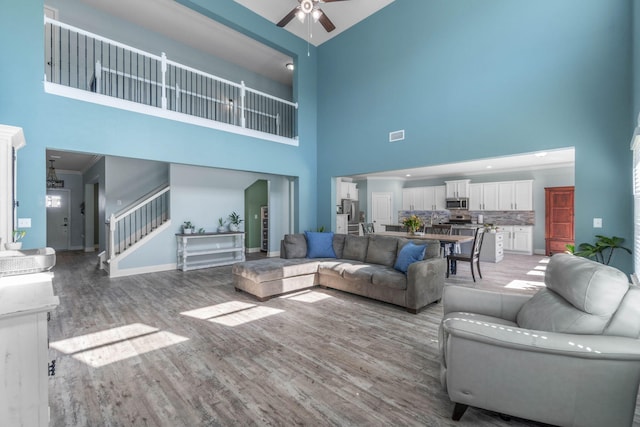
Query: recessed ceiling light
[(289, 66), (408, 174), (541, 154), (489, 167)]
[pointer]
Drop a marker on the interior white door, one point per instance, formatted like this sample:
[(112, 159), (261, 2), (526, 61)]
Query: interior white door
[(58, 219), (381, 210)]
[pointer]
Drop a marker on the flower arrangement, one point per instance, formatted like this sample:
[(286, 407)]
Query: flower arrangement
[(413, 223)]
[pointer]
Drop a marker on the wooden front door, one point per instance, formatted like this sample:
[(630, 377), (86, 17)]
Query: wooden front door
[(558, 219)]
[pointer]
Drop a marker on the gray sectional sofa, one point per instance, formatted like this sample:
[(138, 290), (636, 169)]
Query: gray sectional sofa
[(363, 265)]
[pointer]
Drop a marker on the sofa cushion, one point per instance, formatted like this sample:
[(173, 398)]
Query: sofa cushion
[(409, 254), (382, 250), (355, 248), (335, 267), (389, 277), (588, 285), (295, 246), (338, 244), (358, 272), (319, 245)]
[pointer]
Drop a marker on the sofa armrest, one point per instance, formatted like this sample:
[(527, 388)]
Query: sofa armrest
[(601, 347), (425, 281), (489, 303)]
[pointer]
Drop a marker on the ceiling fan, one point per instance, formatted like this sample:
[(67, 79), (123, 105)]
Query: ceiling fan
[(309, 7)]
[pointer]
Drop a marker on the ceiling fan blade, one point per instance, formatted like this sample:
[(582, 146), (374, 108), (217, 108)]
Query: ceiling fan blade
[(326, 22), (284, 21)]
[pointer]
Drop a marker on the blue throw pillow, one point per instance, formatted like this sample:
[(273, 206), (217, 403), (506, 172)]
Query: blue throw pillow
[(319, 245), (409, 254)]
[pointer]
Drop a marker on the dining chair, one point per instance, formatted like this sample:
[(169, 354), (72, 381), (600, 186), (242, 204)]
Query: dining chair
[(472, 257), (442, 229), (367, 228)]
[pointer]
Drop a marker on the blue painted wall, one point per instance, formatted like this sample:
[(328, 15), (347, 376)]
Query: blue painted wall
[(469, 79), (55, 122)]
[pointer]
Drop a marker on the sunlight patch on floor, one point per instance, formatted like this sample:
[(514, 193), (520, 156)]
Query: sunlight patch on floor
[(535, 273), (232, 313), (524, 284), (306, 296), (116, 344)]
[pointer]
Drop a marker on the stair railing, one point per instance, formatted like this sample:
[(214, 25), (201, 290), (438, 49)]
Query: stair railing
[(132, 224)]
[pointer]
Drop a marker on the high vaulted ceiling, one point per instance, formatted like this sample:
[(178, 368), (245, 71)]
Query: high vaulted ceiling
[(344, 14)]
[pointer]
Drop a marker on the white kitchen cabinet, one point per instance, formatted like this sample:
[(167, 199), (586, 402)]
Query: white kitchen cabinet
[(492, 249), (342, 224), (458, 188), (515, 195), (483, 196), (25, 301), (348, 190), (434, 198), (518, 239), (413, 199)]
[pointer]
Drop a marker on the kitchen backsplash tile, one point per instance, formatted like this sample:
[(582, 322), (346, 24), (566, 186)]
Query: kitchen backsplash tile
[(489, 217)]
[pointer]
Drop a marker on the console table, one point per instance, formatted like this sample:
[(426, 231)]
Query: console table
[(204, 250)]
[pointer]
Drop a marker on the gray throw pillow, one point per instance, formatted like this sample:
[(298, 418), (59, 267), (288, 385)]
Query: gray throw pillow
[(295, 245), (355, 247)]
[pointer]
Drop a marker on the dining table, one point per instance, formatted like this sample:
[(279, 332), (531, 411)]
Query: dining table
[(449, 240)]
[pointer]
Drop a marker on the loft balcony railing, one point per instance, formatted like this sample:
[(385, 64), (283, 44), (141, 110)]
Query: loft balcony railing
[(82, 60)]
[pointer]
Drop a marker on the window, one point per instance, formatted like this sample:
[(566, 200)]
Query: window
[(53, 201)]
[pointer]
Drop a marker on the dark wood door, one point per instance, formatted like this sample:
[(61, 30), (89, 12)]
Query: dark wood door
[(558, 219)]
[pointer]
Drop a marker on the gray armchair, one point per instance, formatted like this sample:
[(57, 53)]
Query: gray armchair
[(568, 355)]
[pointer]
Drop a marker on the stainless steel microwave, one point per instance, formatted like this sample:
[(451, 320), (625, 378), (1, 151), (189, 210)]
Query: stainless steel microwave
[(453, 204)]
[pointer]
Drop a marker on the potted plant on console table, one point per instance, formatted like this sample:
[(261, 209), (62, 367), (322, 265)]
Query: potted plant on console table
[(234, 221)]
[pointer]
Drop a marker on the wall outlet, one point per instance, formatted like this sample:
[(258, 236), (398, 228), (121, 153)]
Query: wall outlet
[(597, 222)]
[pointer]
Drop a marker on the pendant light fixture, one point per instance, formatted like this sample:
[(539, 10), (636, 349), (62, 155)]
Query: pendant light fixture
[(52, 178)]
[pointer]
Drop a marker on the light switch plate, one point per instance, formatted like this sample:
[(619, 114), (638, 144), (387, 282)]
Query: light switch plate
[(24, 222), (597, 222)]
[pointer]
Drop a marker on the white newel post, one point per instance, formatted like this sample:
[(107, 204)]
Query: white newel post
[(111, 249), (164, 81), (243, 92)]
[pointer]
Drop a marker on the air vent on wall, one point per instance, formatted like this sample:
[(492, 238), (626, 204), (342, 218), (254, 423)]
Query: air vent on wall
[(397, 135)]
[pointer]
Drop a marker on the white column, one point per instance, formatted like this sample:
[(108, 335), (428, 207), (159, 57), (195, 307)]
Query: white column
[(11, 138)]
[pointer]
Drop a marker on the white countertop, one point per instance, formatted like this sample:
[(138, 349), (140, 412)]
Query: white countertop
[(26, 294)]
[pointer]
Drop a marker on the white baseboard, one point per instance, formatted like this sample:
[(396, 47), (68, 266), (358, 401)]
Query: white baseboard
[(122, 272), (539, 251), (252, 250)]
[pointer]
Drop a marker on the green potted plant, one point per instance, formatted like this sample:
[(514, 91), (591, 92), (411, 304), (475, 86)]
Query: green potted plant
[(601, 251), (234, 221), (16, 244), (221, 225), (187, 227)]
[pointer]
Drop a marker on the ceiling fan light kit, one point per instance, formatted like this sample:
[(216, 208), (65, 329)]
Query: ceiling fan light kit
[(309, 7)]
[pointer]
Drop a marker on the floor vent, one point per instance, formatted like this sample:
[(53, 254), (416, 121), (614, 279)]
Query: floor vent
[(397, 135)]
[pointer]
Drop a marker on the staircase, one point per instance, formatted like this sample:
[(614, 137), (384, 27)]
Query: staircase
[(133, 227)]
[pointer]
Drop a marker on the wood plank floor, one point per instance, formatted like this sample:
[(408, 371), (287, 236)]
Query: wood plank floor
[(185, 349)]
